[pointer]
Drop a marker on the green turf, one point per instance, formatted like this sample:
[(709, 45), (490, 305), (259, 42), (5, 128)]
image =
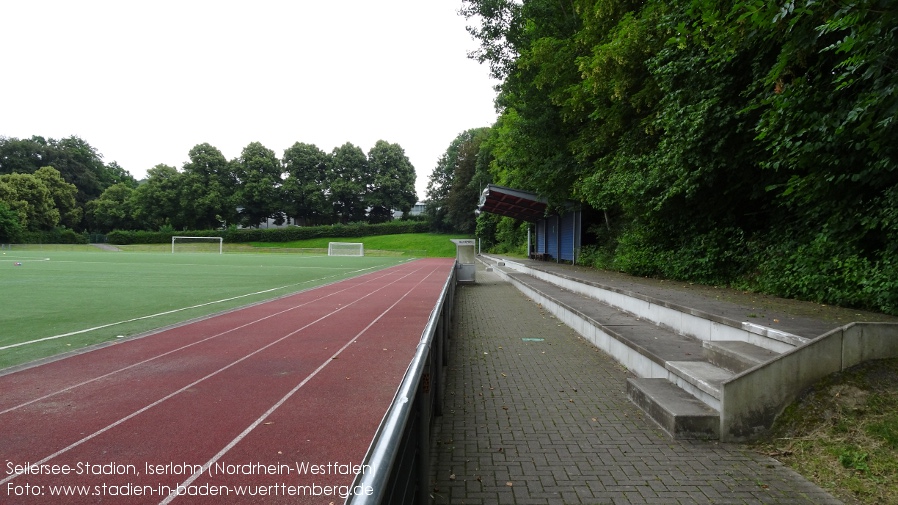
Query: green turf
[(54, 292), (433, 245)]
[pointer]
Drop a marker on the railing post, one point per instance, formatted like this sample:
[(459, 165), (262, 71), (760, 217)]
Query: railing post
[(439, 362), (425, 399)]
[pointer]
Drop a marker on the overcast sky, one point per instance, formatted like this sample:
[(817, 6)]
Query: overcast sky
[(144, 82)]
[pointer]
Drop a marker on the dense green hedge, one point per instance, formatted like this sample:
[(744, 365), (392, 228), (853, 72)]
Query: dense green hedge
[(830, 272), (56, 236), (273, 234), (814, 267)]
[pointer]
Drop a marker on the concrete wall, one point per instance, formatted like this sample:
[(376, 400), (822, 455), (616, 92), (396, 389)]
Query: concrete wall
[(752, 400)]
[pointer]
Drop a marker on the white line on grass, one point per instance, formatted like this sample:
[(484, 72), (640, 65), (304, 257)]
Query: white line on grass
[(78, 332), (300, 267), (233, 443), (134, 414)]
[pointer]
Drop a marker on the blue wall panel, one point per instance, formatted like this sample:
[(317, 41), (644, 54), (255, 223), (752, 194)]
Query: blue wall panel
[(552, 236), (566, 236), (541, 236)]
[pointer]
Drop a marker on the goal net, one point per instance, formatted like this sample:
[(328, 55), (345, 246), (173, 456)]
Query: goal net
[(197, 244), (345, 249)]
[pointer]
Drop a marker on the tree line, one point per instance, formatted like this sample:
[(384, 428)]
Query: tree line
[(749, 143), (47, 183)]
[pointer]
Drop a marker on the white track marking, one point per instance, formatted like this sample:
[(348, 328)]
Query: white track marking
[(69, 388), (194, 383), (283, 400), (173, 311)]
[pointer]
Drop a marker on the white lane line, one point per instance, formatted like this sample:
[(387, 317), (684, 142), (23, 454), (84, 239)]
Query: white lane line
[(78, 332), (69, 388), (194, 383), (283, 400)]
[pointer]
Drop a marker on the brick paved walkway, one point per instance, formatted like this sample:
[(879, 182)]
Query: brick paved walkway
[(536, 415)]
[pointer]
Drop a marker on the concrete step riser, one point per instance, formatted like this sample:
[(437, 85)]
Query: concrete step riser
[(726, 360), (680, 417)]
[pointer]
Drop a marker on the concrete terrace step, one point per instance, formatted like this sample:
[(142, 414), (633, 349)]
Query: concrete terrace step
[(699, 378), (656, 344), (680, 414), (677, 385), (736, 355), (697, 323)]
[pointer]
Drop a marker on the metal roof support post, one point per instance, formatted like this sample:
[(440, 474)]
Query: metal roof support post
[(528, 242), (558, 238), (578, 218)]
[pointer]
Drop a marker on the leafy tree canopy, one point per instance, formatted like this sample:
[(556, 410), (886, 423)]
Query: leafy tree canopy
[(718, 137), (392, 181)]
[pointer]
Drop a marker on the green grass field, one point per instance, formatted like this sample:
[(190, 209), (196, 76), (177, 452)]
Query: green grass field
[(98, 295), (431, 245)]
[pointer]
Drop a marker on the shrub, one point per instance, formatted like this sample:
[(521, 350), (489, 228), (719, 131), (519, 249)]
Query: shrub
[(55, 236), (825, 271)]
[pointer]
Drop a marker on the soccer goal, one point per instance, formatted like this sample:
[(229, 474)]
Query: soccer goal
[(197, 244), (345, 249)]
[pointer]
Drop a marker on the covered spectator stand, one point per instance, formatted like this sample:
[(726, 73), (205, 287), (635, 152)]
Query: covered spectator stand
[(556, 236)]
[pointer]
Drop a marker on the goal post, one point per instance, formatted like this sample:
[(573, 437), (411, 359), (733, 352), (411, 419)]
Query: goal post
[(197, 244), (345, 249)]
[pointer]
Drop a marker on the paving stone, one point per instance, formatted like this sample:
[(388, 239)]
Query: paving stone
[(552, 417)]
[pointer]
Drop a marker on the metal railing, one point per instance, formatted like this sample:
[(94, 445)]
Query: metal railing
[(398, 460)]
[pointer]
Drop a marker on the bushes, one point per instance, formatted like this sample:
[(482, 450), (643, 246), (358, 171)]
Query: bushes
[(716, 256), (816, 268), (825, 271), (233, 235), (55, 236), (120, 237)]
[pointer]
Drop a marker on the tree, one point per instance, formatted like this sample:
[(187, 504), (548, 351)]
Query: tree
[(157, 202), (208, 189), (27, 196), (391, 182), (10, 224), (828, 104), (258, 195), (113, 210), (22, 156), (77, 162), (348, 167), (306, 184), (454, 186), (499, 30), (63, 195)]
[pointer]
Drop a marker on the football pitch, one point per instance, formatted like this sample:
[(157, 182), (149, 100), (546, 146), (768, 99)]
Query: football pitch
[(61, 301)]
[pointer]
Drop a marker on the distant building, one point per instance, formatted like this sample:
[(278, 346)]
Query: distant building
[(416, 210)]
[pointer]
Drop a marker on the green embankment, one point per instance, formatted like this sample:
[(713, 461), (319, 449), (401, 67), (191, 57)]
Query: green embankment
[(433, 245)]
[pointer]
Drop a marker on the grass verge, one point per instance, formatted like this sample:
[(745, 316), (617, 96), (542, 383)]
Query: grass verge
[(842, 434)]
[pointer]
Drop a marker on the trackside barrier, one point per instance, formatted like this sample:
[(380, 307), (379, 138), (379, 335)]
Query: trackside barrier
[(398, 459)]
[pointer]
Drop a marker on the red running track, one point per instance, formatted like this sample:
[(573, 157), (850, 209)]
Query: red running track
[(278, 401)]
